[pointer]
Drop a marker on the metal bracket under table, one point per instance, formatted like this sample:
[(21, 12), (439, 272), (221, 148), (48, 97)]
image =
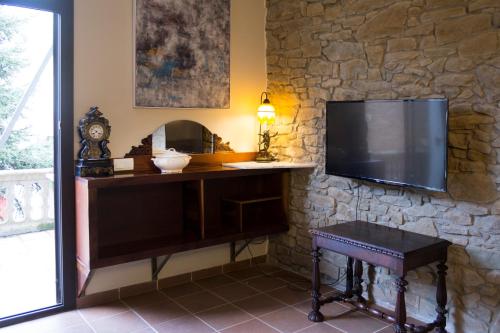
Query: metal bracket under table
[(234, 252)]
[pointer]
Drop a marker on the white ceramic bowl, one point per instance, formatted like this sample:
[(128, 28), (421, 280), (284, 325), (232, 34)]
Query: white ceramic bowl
[(171, 161)]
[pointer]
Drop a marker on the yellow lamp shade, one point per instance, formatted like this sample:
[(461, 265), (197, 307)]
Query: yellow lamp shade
[(266, 113)]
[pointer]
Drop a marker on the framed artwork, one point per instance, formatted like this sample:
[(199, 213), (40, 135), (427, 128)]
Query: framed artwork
[(182, 53)]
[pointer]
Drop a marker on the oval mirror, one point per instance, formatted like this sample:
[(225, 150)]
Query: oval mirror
[(188, 137)]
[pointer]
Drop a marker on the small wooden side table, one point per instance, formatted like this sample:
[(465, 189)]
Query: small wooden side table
[(398, 250)]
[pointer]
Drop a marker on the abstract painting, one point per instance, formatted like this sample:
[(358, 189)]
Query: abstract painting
[(182, 53)]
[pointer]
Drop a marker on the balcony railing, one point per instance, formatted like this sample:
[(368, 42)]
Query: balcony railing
[(26, 201)]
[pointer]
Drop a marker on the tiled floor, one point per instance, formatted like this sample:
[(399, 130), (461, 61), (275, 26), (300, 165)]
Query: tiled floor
[(253, 300)]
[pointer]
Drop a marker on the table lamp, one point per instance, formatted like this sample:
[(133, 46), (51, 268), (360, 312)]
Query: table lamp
[(266, 115)]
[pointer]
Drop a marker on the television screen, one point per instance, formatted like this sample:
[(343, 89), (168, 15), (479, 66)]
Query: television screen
[(400, 142)]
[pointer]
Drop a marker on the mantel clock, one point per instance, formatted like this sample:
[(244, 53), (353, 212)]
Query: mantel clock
[(94, 157)]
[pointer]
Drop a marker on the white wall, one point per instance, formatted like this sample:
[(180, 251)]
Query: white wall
[(104, 77)]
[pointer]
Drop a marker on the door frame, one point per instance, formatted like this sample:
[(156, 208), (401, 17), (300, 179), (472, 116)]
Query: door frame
[(64, 184)]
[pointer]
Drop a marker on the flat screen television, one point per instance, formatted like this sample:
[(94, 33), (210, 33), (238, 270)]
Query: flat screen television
[(400, 142)]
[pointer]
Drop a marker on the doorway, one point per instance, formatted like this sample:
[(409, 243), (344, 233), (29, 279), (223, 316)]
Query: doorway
[(37, 260)]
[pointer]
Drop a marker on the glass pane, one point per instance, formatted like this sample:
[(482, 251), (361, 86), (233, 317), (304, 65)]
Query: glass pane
[(27, 244)]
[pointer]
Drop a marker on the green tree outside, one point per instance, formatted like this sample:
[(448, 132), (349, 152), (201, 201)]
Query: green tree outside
[(16, 153)]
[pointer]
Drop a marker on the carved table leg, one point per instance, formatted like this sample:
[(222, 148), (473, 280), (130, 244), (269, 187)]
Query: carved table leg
[(315, 315), (358, 273), (441, 298), (399, 325), (348, 281)]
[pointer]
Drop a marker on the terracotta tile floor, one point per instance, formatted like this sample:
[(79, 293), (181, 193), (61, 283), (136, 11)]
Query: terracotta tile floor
[(243, 301)]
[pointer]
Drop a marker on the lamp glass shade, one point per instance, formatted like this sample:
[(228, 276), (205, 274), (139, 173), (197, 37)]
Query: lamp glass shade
[(266, 113)]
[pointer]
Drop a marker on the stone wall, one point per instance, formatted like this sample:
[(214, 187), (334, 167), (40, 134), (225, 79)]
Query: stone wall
[(388, 49)]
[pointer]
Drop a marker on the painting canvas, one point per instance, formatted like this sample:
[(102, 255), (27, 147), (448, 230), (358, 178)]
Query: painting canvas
[(182, 53)]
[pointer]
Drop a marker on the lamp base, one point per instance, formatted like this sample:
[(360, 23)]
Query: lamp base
[(265, 157)]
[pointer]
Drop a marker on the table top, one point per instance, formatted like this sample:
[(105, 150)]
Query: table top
[(383, 238), (270, 165)]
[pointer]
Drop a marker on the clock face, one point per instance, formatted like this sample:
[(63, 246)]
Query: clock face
[(96, 132)]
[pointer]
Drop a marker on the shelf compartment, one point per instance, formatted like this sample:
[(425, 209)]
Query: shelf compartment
[(145, 248), (217, 190), (254, 214), (138, 214)]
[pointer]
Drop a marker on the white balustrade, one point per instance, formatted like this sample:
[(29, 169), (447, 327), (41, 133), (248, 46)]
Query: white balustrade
[(26, 201)]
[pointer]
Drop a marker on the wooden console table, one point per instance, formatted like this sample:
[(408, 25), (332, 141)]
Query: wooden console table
[(146, 215), (398, 250)]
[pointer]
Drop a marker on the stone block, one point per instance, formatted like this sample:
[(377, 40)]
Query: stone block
[(396, 218), (366, 85), (496, 20), (456, 239), (458, 217), (332, 12), (470, 300), (360, 7), (471, 166), (445, 202), (338, 51), (401, 56), (437, 66), (351, 22), (495, 209), (482, 4), (311, 50), (480, 146), (486, 109), (482, 135), (297, 63), (469, 121), (399, 201), (455, 64), (315, 9), (340, 195), (444, 3), (484, 258), (493, 277), (482, 45), (353, 69), (478, 188), (412, 90), (319, 67), (489, 78), (460, 28), (345, 212), (458, 140), (423, 226), (441, 14), (420, 30), (454, 230), (308, 113), (489, 225), (454, 79), (458, 255), (426, 210), (342, 94), (375, 55), (282, 10), (471, 278), (322, 201), (387, 22), (401, 44)]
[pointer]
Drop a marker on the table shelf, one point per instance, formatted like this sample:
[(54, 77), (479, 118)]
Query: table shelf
[(131, 217)]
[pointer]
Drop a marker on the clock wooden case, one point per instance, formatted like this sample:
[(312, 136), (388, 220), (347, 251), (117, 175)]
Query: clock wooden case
[(94, 157)]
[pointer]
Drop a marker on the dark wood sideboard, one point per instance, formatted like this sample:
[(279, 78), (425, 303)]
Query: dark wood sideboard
[(147, 215)]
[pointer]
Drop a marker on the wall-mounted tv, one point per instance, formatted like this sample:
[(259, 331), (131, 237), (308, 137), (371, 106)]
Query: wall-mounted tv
[(400, 142)]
